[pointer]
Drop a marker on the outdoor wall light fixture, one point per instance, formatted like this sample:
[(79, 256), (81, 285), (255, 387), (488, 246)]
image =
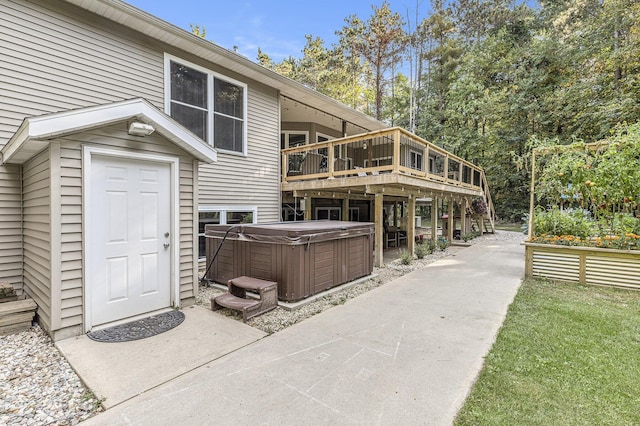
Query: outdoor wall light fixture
[(140, 129)]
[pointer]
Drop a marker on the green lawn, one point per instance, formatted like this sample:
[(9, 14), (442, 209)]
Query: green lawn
[(567, 354)]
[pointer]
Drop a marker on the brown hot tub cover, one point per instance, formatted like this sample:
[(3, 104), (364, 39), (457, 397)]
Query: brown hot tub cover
[(304, 258)]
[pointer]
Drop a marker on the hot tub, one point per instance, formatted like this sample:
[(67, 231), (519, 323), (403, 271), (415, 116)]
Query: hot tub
[(304, 258)]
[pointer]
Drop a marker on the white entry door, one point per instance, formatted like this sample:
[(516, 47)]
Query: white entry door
[(130, 253)]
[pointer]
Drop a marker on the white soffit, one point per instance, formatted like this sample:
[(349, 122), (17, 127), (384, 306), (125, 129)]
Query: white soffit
[(35, 132)]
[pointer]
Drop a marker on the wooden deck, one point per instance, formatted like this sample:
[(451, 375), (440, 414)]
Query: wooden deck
[(385, 163)]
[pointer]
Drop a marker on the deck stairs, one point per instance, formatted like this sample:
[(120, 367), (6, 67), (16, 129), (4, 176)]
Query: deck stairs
[(487, 221)]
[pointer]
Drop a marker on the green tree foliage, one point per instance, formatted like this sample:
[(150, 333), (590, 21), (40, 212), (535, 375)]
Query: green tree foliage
[(490, 79), (198, 30), (380, 42)]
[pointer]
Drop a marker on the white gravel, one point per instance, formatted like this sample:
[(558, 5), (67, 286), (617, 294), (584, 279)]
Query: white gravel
[(38, 387)]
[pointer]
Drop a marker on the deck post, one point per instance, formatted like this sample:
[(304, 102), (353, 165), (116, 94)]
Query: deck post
[(446, 168), (450, 220), (411, 222), (463, 217), (379, 230), (345, 209), (396, 151), (330, 161), (531, 194), (307, 207), (434, 218), (283, 165)]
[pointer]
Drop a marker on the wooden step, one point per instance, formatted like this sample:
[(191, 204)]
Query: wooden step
[(232, 302), (16, 316)]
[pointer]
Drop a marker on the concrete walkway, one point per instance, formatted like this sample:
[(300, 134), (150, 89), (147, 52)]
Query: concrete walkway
[(404, 353)]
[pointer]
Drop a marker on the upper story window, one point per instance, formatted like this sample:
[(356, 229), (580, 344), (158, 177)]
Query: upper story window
[(212, 106)]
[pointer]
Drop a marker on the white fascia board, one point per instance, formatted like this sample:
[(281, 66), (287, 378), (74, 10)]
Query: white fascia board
[(34, 132)]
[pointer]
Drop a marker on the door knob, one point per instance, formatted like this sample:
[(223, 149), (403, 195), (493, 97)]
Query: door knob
[(166, 244)]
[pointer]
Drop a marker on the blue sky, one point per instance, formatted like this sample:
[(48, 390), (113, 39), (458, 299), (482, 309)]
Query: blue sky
[(278, 27)]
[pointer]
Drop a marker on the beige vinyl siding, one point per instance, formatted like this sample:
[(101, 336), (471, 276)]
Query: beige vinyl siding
[(253, 180), (70, 218), (71, 286), (37, 238), (55, 59), (11, 226)]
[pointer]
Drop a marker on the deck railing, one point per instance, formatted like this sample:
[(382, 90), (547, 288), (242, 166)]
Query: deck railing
[(391, 150)]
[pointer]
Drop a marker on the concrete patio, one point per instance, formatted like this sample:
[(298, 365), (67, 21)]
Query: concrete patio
[(405, 353)]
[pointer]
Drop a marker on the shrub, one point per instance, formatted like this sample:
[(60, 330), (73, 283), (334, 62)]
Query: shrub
[(422, 250), (470, 236), (405, 257), (431, 245), (624, 223), (574, 222), (443, 243)]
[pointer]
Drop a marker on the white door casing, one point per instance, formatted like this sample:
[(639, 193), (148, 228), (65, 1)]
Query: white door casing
[(130, 230)]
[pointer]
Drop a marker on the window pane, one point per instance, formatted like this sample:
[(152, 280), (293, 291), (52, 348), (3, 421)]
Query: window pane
[(228, 99), (239, 217), (228, 133), (191, 118), (188, 85), (205, 218), (208, 218), (297, 139)]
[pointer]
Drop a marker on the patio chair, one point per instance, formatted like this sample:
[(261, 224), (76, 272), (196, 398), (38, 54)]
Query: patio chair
[(311, 163), (401, 237), (340, 164)]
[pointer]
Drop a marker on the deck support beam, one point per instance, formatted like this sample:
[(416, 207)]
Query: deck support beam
[(463, 218), (307, 207), (450, 220), (379, 230), (345, 209), (411, 222), (434, 218)]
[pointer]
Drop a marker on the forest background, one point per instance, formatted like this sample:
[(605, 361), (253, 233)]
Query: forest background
[(488, 80)]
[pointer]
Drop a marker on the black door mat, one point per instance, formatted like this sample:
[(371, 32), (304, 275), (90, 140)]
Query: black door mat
[(139, 329)]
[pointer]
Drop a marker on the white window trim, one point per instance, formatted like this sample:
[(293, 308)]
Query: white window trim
[(295, 132), (417, 153), (210, 113), (223, 210), (376, 161), (323, 135), (329, 210)]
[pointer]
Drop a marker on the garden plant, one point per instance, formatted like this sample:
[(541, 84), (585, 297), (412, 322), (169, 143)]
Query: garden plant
[(589, 195)]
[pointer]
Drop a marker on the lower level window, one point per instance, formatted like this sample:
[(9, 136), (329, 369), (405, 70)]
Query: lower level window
[(223, 216), (328, 213)]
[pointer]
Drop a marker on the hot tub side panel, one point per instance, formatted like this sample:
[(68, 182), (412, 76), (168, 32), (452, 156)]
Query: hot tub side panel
[(301, 270), (225, 266), (359, 257)]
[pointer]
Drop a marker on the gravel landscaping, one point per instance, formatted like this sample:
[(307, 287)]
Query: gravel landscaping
[(281, 318), (38, 386)]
